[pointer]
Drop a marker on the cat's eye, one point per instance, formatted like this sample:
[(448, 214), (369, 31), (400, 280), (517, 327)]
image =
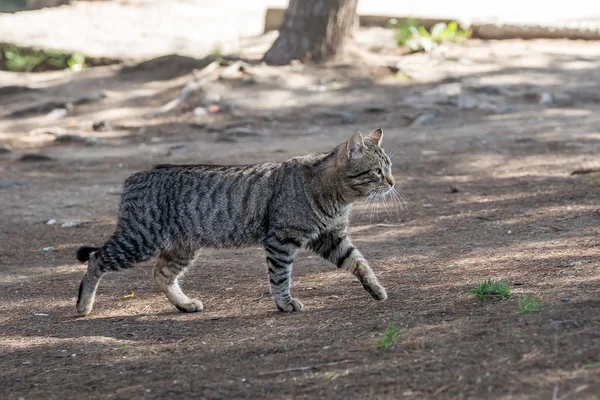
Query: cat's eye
[(379, 171)]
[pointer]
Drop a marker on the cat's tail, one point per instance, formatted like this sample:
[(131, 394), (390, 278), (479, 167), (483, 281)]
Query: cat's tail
[(83, 253)]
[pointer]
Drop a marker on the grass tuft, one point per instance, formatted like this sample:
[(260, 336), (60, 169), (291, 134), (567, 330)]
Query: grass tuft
[(390, 333), (491, 289), (528, 303)]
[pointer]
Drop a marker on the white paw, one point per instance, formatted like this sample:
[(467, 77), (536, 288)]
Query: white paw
[(192, 305), (291, 306)]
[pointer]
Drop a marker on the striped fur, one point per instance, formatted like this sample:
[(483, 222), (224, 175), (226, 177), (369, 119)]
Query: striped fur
[(173, 210)]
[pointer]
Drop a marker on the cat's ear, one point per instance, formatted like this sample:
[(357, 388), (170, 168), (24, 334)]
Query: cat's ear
[(376, 136), (355, 146)]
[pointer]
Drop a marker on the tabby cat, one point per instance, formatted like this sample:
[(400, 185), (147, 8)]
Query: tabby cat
[(173, 210)]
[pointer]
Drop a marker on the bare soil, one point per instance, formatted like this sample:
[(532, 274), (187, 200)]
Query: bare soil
[(486, 175)]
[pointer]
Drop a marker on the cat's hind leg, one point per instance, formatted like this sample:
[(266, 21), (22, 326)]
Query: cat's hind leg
[(88, 286), (118, 253), (171, 265)]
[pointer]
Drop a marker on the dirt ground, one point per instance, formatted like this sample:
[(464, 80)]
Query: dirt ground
[(486, 139)]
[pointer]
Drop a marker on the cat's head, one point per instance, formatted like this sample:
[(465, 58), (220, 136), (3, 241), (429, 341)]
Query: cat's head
[(366, 167)]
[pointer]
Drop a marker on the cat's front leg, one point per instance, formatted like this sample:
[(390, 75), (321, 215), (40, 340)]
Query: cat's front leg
[(360, 268), (337, 248), (280, 258)]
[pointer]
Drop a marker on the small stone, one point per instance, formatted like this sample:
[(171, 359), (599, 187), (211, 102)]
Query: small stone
[(51, 222), (57, 113), (565, 299), (348, 118), (4, 150), (70, 224), (424, 118), (49, 248), (454, 189), (546, 99)]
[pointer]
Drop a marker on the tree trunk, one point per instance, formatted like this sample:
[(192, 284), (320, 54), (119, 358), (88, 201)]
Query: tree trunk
[(37, 4), (313, 30)]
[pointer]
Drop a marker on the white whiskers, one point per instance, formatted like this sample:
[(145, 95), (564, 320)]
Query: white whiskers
[(390, 197)]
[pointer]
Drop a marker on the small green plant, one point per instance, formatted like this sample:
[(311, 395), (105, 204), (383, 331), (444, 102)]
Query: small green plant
[(491, 289), (528, 303), (404, 30), (449, 32), (417, 38), (390, 333), (76, 62), (18, 59)]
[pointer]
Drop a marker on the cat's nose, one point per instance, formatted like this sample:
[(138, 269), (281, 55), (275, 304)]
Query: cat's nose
[(390, 180)]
